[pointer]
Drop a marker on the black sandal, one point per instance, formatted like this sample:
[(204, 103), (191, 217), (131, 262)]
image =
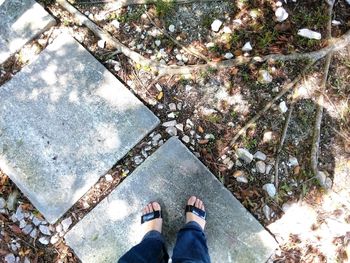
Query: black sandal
[(150, 216), (195, 210)]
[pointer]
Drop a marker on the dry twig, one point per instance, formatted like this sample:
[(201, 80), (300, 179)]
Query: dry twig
[(319, 111), (335, 44)]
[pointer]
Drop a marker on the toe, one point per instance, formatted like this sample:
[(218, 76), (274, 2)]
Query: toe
[(156, 206), (197, 203), (202, 207), (192, 200), (150, 208), (145, 210)]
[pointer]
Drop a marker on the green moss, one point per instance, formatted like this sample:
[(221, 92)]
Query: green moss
[(164, 7), (313, 19)]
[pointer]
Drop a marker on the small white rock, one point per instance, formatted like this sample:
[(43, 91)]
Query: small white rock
[(172, 106), (66, 223), (186, 139), (215, 26), (171, 115), (268, 168), (283, 107), (180, 127), (44, 240), (227, 30), (270, 189), (34, 233), (172, 28), (116, 24), (109, 178), (159, 87), (179, 106), (260, 167), (172, 131), (309, 34), (267, 212), (293, 161), (54, 239), (10, 258), (28, 228), (157, 42), (260, 156), (169, 123), (101, 43), (19, 213), (36, 221), (281, 14), (336, 23), (45, 230), (247, 47), (22, 223), (228, 55), (244, 155), (264, 76), (242, 179)]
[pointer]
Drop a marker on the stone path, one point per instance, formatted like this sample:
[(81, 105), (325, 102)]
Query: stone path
[(65, 120), (170, 176), (20, 21)]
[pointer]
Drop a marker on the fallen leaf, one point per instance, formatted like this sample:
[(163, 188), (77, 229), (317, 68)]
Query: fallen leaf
[(16, 229), (200, 129)]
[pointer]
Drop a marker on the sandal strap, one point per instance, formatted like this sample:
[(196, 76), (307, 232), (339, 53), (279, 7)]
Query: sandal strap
[(195, 210), (150, 216)]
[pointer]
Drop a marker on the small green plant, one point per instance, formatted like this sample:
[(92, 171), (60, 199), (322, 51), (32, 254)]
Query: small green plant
[(314, 19), (163, 7), (250, 143), (213, 118), (233, 114), (131, 16), (266, 39)]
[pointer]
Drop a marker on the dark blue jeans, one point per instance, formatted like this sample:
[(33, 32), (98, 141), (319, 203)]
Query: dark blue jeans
[(190, 247)]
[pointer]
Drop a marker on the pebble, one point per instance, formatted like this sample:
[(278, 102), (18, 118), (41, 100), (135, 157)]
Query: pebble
[(172, 28), (44, 240), (157, 137), (189, 123), (22, 223), (169, 123), (34, 233), (54, 239), (172, 131), (159, 87), (260, 156), (180, 127), (101, 43), (157, 42), (171, 115), (179, 106), (36, 221), (324, 180), (227, 30), (172, 106), (267, 212), (12, 200), (264, 76), (238, 173), (281, 14), (228, 55), (179, 57), (116, 24), (138, 159), (293, 161), (44, 230), (336, 23), (309, 34), (268, 168), (108, 178), (244, 155), (283, 107), (19, 213), (186, 139), (242, 179), (215, 26), (26, 260), (2, 203), (247, 47), (260, 167), (10, 258), (28, 228), (238, 163), (270, 189), (66, 223)]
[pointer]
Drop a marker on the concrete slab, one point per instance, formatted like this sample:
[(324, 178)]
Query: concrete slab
[(20, 21), (171, 175), (65, 120)]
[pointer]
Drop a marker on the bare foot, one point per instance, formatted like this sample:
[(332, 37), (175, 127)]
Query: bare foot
[(155, 224), (192, 217)]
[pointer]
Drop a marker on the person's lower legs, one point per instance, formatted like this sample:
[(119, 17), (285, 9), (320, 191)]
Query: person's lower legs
[(191, 244), (150, 250), (152, 247)]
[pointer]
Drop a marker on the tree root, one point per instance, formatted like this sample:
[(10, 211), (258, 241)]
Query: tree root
[(335, 45)]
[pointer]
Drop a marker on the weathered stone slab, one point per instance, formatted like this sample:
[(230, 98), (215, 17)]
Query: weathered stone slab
[(20, 21), (171, 175), (65, 120)]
